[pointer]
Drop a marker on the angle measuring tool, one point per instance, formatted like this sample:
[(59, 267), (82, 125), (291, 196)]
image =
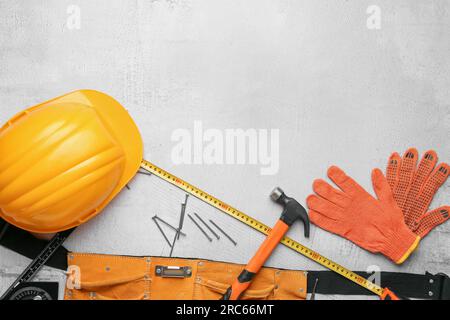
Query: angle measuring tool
[(384, 293), (34, 267)]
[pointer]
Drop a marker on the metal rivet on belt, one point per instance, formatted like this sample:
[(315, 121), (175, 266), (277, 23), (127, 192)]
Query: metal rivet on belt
[(92, 294), (201, 263), (198, 279), (305, 273), (431, 281), (71, 256), (158, 270), (278, 272), (145, 296), (430, 293), (301, 289), (148, 259)]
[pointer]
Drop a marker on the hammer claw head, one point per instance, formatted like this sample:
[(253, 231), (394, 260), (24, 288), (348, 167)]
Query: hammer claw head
[(305, 218), (293, 210)]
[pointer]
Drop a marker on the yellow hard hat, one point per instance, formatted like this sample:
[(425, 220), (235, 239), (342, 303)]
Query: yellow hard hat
[(64, 160)]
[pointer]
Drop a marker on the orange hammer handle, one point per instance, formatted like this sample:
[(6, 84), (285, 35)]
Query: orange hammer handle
[(267, 247), (255, 264)]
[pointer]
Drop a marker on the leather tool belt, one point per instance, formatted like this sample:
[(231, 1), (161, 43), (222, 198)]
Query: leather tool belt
[(106, 277), (419, 286)]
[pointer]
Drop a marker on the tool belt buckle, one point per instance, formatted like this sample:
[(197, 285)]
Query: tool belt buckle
[(173, 272), (444, 289)]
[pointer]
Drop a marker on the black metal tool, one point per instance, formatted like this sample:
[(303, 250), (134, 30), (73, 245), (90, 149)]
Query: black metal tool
[(34, 267), (42, 290)]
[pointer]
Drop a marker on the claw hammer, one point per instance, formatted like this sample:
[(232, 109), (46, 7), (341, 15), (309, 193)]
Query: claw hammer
[(292, 212)]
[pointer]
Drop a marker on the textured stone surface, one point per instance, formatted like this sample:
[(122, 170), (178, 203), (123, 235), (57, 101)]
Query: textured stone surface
[(339, 92)]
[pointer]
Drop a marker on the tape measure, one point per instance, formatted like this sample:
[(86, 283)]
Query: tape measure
[(261, 227)]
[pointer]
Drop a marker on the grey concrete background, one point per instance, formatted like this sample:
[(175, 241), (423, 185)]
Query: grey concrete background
[(339, 92)]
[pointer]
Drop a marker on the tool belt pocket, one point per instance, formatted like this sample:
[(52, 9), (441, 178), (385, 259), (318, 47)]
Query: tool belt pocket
[(128, 288), (214, 278), (213, 290), (102, 277)]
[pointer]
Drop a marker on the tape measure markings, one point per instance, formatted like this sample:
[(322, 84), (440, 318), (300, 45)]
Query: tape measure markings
[(259, 226)]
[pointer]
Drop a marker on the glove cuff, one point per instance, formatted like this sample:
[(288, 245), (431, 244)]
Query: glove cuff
[(401, 244)]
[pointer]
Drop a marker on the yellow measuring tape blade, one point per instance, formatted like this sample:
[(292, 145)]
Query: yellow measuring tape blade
[(261, 227)]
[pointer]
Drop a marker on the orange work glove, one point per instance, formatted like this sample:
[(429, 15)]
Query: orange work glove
[(376, 225), (414, 188)]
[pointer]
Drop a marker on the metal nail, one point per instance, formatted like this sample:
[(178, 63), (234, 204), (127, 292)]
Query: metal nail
[(169, 225), (223, 232), (173, 243), (201, 229), (207, 226), (183, 211), (161, 230), (180, 224), (145, 173)]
